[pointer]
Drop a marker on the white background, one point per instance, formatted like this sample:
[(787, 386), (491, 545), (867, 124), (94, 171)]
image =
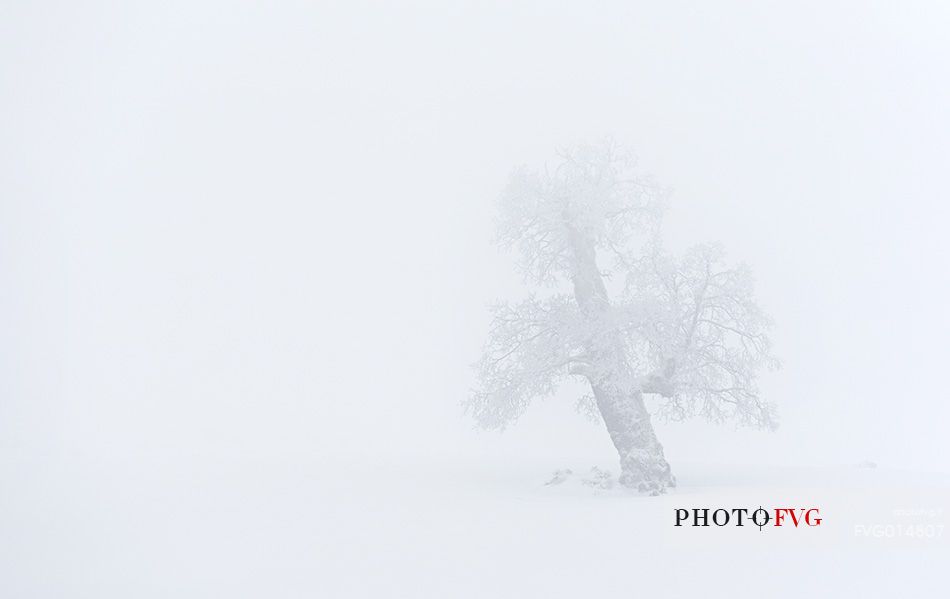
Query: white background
[(245, 255)]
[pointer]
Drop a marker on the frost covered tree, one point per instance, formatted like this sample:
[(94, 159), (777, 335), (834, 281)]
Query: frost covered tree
[(619, 313)]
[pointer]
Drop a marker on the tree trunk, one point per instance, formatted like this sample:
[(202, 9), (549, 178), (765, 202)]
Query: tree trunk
[(642, 465)]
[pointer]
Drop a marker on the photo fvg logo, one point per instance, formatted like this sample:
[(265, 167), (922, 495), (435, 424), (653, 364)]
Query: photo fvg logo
[(760, 517)]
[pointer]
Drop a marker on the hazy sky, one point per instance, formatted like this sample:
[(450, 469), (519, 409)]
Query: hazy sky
[(266, 227)]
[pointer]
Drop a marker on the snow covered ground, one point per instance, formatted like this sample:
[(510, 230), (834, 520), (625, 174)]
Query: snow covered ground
[(203, 527)]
